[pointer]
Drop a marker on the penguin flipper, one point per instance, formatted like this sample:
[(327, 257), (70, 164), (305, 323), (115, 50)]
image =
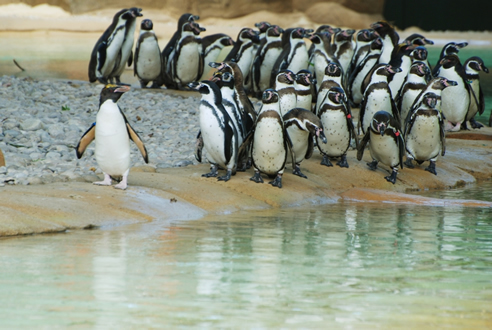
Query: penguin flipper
[(362, 145), (288, 143), (85, 140), (246, 143), (199, 147), (481, 101), (136, 139), (443, 136), (101, 54), (310, 148), (130, 58)]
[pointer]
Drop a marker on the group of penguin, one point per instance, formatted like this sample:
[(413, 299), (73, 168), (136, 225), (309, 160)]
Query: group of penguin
[(306, 94)]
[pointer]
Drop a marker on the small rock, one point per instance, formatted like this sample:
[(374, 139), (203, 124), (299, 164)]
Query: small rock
[(31, 124)]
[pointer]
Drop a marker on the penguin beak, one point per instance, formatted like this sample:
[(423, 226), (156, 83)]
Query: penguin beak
[(485, 69), (122, 89), (215, 65), (381, 128), (321, 135)]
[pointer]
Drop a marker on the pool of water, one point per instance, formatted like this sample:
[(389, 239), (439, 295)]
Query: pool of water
[(348, 265)]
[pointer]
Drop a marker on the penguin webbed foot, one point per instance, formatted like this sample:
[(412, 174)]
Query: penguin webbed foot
[(106, 182), (256, 178), (392, 178), (297, 171), (431, 168), (212, 174), (475, 124), (373, 165), (122, 185), (343, 162), (226, 177), (326, 161), (408, 163), (277, 182)]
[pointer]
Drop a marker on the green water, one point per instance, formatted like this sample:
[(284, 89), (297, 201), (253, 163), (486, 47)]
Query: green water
[(346, 266)]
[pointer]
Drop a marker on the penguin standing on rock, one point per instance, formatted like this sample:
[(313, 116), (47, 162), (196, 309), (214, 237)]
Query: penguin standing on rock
[(336, 119), (147, 66), (424, 134), (415, 83), (107, 48), (473, 66), (435, 86), (112, 133), (302, 127), (270, 143), (385, 143), (220, 138)]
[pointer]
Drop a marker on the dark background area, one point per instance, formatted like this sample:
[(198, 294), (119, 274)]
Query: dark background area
[(455, 15)]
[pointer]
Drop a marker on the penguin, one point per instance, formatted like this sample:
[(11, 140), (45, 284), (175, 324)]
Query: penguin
[(321, 55), (386, 143), (473, 66), (165, 79), (359, 73), (305, 89), (265, 59), (323, 29), (435, 86), (343, 48), (420, 54), (413, 86), (336, 118), (270, 143), (126, 52), (112, 133), (451, 48), (262, 32), (147, 66), (424, 134), (331, 78), (243, 51), (107, 48), (363, 40), (284, 85), (389, 38), (220, 138), (302, 126), (211, 48), (417, 40), (455, 99), (377, 96), (294, 54), (184, 63), (400, 58)]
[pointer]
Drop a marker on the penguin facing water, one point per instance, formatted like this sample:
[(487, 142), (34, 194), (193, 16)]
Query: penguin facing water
[(112, 133), (147, 66)]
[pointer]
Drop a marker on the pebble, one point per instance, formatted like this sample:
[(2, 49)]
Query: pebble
[(42, 123)]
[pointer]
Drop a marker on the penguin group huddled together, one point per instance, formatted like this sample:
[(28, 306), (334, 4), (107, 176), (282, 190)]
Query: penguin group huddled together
[(306, 93)]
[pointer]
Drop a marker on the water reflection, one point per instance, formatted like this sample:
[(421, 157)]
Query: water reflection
[(343, 265)]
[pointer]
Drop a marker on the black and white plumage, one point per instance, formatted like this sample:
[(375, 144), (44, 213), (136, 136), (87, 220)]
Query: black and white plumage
[(336, 118), (321, 55), (302, 126), (363, 40), (305, 86), (415, 83), (389, 38), (420, 54), (451, 48), (400, 59), (107, 48), (344, 49), (332, 78), (112, 133), (377, 95), (125, 56), (212, 46), (285, 87), (472, 67), (436, 86), (269, 141), (147, 64), (424, 134), (219, 135), (243, 51), (386, 143)]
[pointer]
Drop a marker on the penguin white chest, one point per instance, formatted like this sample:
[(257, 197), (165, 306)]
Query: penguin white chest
[(377, 100), (188, 62), (213, 135), (269, 153), (423, 142), (112, 140), (336, 131), (299, 139), (384, 149), (149, 59), (112, 50)]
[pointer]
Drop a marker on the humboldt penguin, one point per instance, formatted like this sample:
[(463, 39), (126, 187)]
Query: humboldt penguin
[(212, 46), (265, 59), (305, 87), (413, 86), (269, 140), (451, 48), (401, 62), (420, 54), (284, 85), (336, 119), (363, 40), (435, 86), (107, 48), (220, 138), (424, 134), (243, 51), (147, 66), (377, 96), (359, 73), (331, 78), (321, 55), (262, 33), (294, 55), (112, 133), (344, 49), (386, 143), (302, 127), (185, 61), (126, 52), (389, 38), (473, 66), (455, 100)]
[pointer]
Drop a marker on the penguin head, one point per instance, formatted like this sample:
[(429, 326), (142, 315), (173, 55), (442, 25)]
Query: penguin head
[(206, 87), (453, 48), (286, 77), (263, 26), (419, 68), (475, 63), (391, 70), (417, 40), (269, 96), (337, 95), (343, 35), (430, 99), (112, 92), (383, 28), (377, 44), (187, 17), (304, 77), (381, 122), (226, 41), (247, 33), (420, 53), (366, 35), (333, 70), (146, 25), (441, 83), (327, 28), (274, 31), (450, 61), (196, 28), (135, 12)]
